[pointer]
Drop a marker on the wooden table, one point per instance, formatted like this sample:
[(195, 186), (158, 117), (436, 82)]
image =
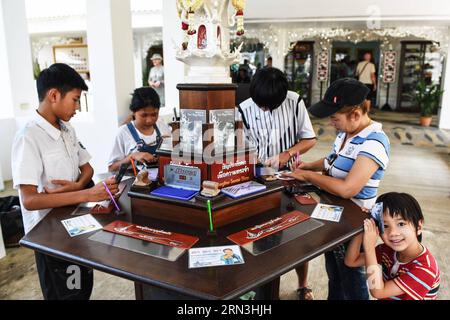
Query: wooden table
[(50, 237)]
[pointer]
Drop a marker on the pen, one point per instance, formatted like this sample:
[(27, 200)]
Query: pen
[(297, 159), (211, 226), (134, 167), (111, 196)]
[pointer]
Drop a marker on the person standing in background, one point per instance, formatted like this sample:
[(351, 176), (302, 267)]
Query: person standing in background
[(269, 63), (156, 77), (366, 73)]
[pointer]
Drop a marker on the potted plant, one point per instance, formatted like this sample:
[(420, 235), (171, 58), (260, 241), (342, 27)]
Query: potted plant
[(428, 97)]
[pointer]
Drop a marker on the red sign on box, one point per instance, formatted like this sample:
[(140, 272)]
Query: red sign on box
[(228, 174), (266, 229), (174, 240)]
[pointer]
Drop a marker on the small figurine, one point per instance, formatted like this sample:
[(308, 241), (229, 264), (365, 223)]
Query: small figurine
[(210, 189), (142, 179), (269, 178)]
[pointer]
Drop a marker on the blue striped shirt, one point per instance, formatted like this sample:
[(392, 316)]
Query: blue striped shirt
[(372, 143)]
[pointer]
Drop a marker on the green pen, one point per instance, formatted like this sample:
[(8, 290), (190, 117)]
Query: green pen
[(211, 226)]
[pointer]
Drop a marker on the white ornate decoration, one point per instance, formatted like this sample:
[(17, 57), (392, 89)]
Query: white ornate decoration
[(205, 48)]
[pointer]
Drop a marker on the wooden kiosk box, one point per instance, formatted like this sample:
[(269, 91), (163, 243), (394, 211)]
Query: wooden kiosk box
[(227, 168)]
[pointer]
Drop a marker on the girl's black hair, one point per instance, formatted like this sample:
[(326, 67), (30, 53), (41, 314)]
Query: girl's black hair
[(404, 205), (61, 77), (269, 88), (145, 97)]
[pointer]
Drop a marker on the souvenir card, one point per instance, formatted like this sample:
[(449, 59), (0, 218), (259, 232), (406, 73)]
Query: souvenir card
[(327, 212), (223, 121), (191, 130), (81, 225), (215, 257), (378, 215)]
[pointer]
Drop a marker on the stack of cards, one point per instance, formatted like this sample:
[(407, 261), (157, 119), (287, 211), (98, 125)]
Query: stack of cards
[(377, 215)]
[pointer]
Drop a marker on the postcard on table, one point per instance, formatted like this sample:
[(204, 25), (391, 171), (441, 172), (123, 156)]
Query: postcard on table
[(81, 225), (215, 256), (327, 212)]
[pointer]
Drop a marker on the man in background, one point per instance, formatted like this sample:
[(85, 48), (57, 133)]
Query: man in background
[(366, 73)]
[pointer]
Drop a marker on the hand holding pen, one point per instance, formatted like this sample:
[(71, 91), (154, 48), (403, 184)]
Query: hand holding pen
[(296, 163), (99, 193)]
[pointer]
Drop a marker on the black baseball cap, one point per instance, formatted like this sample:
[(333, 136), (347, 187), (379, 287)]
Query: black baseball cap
[(342, 93)]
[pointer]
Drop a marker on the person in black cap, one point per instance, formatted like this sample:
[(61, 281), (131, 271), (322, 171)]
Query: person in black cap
[(353, 170)]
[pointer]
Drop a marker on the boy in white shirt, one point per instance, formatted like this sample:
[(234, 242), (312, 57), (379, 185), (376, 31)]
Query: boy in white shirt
[(51, 169)]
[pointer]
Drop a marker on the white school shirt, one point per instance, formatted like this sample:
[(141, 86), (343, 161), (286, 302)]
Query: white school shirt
[(125, 144), (40, 154), (371, 143), (272, 133)]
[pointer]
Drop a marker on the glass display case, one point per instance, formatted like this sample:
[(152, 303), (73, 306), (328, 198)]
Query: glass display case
[(419, 60), (299, 69)]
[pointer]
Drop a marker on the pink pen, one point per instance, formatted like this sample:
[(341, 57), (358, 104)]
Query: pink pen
[(111, 196), (297, 159)]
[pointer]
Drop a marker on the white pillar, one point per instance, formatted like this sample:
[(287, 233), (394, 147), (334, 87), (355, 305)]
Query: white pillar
[(138, 60), (278, 56), (2, 245), (2, 185), (174, 70), (110, 42), (17, 86), (444, 121)]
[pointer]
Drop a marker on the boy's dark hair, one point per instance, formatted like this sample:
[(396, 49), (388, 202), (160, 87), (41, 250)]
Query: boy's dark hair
[(269, 88), (145, 97), (59, 76), (404, 205)]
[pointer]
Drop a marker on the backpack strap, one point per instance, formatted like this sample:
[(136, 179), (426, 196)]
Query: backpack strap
[(158, 133)]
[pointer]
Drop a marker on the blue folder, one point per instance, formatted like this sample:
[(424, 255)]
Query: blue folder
[(174, 193)]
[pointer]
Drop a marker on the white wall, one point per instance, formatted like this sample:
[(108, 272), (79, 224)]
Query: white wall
[(17, 87), (284, 10), (110, 41), (444, 122), (19, 68), (7, 132), (174, 70), (2, 246)]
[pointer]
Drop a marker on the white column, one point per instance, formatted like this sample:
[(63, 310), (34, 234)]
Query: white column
[(2, 185), (278, 54), (110, 41), (138, 60), (2, 246), (17, 87), (174, 70), (444, 121)]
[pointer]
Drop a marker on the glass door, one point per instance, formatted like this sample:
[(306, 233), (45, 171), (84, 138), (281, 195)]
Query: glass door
[(299, 69), (419, 60)]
